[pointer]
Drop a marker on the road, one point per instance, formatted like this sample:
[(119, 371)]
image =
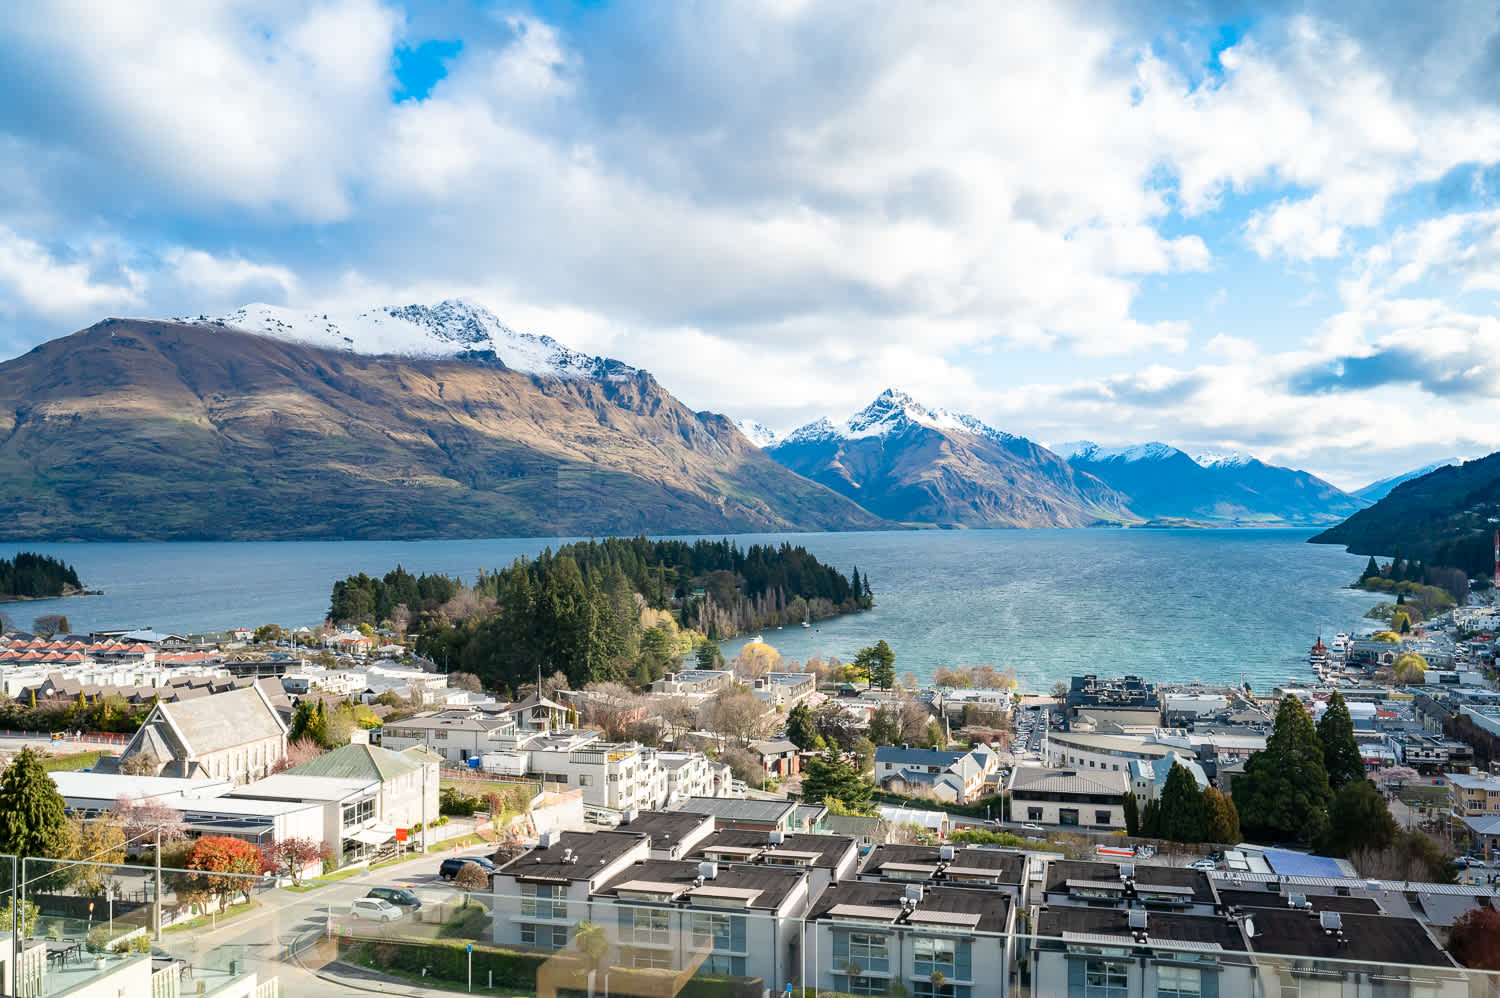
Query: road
[(274, 939)]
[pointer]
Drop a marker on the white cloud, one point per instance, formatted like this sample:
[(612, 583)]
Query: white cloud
[(65, 289), (220, 277)]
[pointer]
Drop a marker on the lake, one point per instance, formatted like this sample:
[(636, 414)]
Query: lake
[(1170, 605)]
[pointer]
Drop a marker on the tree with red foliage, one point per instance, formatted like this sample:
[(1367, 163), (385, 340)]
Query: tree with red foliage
[(226, 867), (297, 752), (1474, 939), (290, 857)]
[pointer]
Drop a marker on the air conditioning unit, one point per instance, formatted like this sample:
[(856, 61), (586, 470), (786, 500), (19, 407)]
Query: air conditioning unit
[(914, 892), (708, 871), (777, 837), (945, 852), (1331, 921), (1127, 870), (545, 840)]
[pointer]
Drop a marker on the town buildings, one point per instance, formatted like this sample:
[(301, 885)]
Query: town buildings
[(237, 736), (1068, 797)]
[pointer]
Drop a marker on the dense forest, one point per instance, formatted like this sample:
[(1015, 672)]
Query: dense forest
[(1445, 518), (30, 576), (616, 609)]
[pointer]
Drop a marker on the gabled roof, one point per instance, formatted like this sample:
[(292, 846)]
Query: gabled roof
[(365, 762), (897, 756), (213, 723)]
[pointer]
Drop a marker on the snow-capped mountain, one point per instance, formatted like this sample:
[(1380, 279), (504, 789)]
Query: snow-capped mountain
[(454, 328), (758, 434), (1163, 482), (912, 463), (1376, 491)]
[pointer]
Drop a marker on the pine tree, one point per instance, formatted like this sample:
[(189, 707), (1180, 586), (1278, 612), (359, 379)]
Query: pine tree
[(1183, 818), (32, 812), (800, 730), (1132, 810), (1151, 820), (1358, 818), (1372, 571), (1341, 756), (828, 775), (878, 664), (1283, 794)]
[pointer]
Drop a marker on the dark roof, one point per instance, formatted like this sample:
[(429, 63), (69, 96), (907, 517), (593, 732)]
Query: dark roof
[(1161, 927), (1061, 871), (774, 884), (736, 809), (1382, 939), (991, 907), (1008, 867), (666, 828), (1320, 902), (830, 849), (587, 852)]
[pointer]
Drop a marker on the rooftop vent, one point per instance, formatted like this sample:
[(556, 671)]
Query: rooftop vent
[(708, 871), (1127, 870), (945, 852), (914, 892), (1249, 928), (567, 855), (1296, 900), (777, 837), (544, 840), (1137, 918), (1331, 921)]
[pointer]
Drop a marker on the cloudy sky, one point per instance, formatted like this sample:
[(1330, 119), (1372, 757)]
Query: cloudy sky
[(1226, 226)]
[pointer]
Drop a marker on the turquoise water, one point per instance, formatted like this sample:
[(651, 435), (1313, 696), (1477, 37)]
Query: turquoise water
[(1171, 605)]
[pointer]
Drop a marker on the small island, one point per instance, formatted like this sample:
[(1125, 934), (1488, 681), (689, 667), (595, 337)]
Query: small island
[(37, 576)]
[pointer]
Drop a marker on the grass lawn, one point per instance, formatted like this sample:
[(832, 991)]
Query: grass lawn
[(71, 763), (203, 921)]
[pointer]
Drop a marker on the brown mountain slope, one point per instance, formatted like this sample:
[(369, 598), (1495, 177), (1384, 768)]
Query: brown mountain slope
[(158, 430)]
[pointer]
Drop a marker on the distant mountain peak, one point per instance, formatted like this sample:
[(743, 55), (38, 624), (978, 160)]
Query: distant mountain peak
[(451, 328), (1223, 459), (1376, 491), (758, 434), (893, 411), (1087, 450)]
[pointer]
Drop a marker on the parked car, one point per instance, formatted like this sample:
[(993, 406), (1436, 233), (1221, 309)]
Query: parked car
[(375, 909), (1028, 826), (398, 896), (450, 867), (1206, 865)]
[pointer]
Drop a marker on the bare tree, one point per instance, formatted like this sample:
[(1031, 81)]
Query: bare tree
[(142, 763), (297, 752), (49, 624), (736, 714), (465, 681), (6, 624), (140, 817), (913, 716), (610, 707), (400, 619)]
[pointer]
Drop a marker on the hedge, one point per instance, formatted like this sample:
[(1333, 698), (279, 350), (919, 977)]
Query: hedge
[(449, 961)]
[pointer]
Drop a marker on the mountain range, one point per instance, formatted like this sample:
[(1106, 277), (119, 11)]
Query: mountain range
[(1165, 483), (197, 430), (441, 421)]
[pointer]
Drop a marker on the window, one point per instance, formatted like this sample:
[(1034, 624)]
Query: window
[(1313, 987), (731, 965), (922, 988), (868, 985), (1178, 982), (1101, 817), (358, 812), (1033, 814), (528, 933), (656, 958), (559, 936), (649, 926), (1067, 816), (868, 951), (722, 932), (543, 901), (585, 779), (934, 955), (1105, 979)]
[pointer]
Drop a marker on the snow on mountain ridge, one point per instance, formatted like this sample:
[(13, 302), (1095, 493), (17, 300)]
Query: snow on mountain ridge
[(1226, 459), (450, 328), (1087, 450), (758, 434), (891, 412)]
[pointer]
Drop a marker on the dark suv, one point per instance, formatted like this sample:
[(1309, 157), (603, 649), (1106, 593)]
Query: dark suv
[(451, 866), (397, 896)]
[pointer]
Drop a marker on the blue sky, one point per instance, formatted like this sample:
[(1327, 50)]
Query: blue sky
[(1264, 227)]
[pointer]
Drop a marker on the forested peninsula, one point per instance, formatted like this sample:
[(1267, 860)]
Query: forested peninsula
[(622, 609), (36, 576)]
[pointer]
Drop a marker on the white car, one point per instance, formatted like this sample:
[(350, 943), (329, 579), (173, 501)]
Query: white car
[(375, 909), (1206, 865), (1031, 827)]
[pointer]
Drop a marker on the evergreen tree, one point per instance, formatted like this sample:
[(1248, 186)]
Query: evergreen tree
[(1283, 794), (708, 654), (1341, 756), (1151, 820), (33, 814), (1223, 825), (877, 664), (1372, 571), (1358, 818), (1183, 818), (1132, 810), (800, 730), (885, 727), (302, 716), (829, 776)]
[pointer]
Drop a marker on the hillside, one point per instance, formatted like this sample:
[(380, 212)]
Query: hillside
[(1162, 482), (1445, 517), (137, 430), (908, 463)]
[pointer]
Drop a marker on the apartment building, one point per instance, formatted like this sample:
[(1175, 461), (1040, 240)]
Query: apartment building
[(1067, 797), (456, 735)]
